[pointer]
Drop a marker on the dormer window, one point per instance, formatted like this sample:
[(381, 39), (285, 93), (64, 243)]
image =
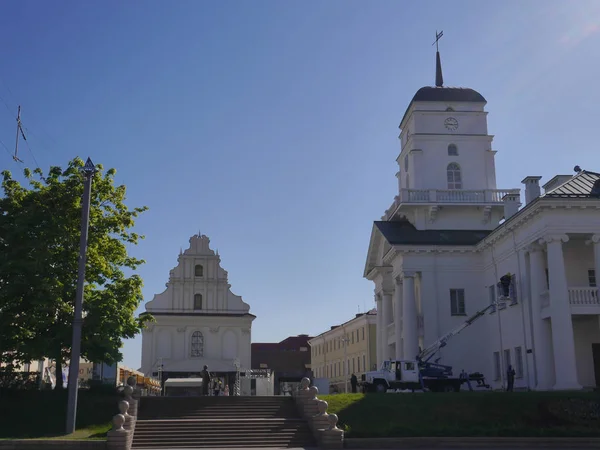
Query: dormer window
[(452, 150), (450, 109), (198, 301), (454, 177), (199, 270)]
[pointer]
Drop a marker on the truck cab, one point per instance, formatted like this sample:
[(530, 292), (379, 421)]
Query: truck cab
[(393, 375)]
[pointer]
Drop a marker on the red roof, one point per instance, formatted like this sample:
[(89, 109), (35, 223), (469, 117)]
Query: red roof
[(289, 343)]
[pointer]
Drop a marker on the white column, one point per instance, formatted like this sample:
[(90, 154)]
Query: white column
[(398, 318), (409, 319), (563, 341), (596, 242), (542, 340), (379, 332), (387, 319)]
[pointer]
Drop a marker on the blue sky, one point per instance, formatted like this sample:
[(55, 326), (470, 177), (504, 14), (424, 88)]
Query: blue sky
[(271, 126)]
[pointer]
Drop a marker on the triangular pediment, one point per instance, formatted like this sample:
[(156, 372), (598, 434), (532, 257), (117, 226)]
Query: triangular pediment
[(374, 252)]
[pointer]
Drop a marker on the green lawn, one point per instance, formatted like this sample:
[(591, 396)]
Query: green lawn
[(467, 414), (42, 414)]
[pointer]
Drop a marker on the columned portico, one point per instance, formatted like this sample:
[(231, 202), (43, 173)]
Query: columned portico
[(541, 329), (565, 364), (398, 317), (387, 319), (409, 319), (379, 334)]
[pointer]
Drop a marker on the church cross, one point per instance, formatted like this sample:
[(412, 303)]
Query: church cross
[(438, 36)]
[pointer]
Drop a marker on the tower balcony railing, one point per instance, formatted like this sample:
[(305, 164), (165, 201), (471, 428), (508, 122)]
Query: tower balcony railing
[(449, 196)]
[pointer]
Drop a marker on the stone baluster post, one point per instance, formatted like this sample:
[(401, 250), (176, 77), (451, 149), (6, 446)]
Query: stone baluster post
[(302, 395), (310, 404), (129, 424), (133, 403), (320, 421), (123, 407), (332, 437), (118, 437), (137, 392)]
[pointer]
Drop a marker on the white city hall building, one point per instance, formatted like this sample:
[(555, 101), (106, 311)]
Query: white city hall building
[(437, 254), (199, 321)]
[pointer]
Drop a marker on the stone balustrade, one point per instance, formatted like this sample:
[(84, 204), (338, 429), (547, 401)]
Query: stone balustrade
[(121, 435), (322, 424)]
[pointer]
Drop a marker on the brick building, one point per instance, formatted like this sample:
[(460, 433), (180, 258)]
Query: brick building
[(289, 360)]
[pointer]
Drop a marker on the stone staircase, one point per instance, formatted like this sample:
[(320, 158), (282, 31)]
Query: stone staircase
[(220, 422)]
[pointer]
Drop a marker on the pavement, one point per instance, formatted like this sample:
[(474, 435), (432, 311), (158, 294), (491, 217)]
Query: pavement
[(403, 448)]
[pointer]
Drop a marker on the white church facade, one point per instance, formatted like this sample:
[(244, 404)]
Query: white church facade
[(199, 321), (437, 254)]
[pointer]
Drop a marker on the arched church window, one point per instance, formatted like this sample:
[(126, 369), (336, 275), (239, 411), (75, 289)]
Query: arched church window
[(452, 150), (454, 177), (197, 349), (199, 270), (198, 301)]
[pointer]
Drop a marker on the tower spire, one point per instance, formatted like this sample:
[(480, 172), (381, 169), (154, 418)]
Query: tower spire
[(439, 79)]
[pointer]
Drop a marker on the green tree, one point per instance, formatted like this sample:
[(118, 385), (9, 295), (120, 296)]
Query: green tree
[(39, 252)]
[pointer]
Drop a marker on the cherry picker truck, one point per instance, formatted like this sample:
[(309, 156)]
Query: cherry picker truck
[(420, 373)]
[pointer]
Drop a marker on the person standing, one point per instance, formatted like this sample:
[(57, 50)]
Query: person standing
[(205, 375), (353, 383), (510, 379)]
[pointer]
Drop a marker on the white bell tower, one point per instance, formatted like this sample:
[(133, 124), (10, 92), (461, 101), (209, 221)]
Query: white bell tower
[(447, 173)]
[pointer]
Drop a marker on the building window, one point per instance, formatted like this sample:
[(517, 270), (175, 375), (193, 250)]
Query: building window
[(457, 302), (407, 181), (507, 362), (547, 279), (497, 368), (363, 333), (450, 109), (519, 362), (197, 345), (26, 367), (364, 362), (452, 150), (592, 278), (199, 270), (454, 177), (198, 301), (406, 163), (512, 290)]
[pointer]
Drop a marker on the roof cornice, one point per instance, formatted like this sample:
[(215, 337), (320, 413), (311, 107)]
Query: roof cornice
[(435, 249), (536, 207)]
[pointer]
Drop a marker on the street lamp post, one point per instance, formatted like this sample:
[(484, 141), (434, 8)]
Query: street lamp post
[(88, 173)]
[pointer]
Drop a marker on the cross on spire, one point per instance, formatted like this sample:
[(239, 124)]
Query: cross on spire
[(438, 36), (439, 79)]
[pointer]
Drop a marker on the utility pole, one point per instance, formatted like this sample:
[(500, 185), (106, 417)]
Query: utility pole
[(88, 172)]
